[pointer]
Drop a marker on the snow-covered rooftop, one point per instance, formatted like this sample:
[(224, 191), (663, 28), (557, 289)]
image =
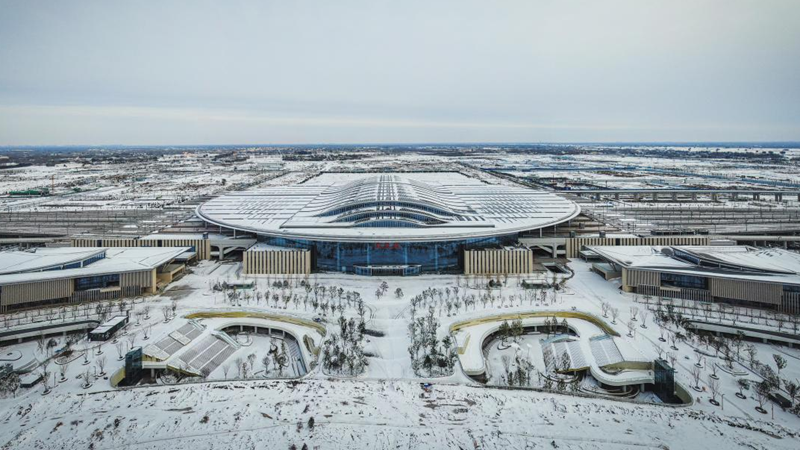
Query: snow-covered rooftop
[(736, 262), (117, 260), (746, 257), (395, 206), (43, 258), (183, 236), (109, 324)]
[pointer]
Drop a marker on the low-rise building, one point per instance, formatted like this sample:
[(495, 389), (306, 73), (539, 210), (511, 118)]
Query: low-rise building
[(739, 275), (53, 276)]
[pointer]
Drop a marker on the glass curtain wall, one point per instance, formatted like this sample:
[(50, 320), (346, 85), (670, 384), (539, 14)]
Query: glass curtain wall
[(430, 256)]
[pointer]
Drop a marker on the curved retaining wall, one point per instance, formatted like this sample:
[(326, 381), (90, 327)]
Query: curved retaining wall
[(598, 322)]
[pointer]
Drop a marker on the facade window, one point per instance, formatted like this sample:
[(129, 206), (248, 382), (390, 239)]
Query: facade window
[(94, 259), (98, 282), (683, 281), (682, 255)]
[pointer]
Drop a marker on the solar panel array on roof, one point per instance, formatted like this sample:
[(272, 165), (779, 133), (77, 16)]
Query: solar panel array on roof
[(605, 351)]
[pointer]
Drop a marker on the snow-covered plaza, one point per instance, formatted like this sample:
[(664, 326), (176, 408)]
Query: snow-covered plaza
[(382, 404)]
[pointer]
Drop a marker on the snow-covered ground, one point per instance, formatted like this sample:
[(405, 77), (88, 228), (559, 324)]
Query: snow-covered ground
[(384, 407), (385, 414)]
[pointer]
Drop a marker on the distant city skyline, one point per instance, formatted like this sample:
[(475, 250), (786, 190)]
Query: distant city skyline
[(372, 72)]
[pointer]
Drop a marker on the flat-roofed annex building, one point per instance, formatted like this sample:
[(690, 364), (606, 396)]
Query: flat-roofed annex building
[(368, 222), (741, 275), (52, 276)]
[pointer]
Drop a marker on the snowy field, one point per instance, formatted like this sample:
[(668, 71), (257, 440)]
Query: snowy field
[(366, 414)]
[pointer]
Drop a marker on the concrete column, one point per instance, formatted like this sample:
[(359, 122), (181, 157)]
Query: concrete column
[(153, 282)]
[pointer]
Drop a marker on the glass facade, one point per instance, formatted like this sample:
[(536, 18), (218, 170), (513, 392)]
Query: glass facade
[(98, 282), (77, 264), (683, 281), (429, 256)]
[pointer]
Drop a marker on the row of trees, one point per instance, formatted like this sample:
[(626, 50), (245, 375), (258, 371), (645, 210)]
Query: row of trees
[(319, 298), (448, 301), (730, 350), (98, 310), (276, 359), (720, 312)]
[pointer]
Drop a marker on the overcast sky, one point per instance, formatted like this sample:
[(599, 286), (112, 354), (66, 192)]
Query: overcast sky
[(339, 71)]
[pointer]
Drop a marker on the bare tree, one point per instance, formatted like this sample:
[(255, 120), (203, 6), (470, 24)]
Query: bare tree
[(120, 350), (265, 362), (634, 312), (166, 311), (41, 343), (742, 384), (793, 389), (63, 370), (658, 350), (631, 328), (87, 378), (251, 361), (614, 315), (131, 340), (700, 359), (101, 364), (146, 311), (645, 314), (225, 369), (696, 377), (239, 366), (763, 391), (147, 331), (45, 374), (713, 386)]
